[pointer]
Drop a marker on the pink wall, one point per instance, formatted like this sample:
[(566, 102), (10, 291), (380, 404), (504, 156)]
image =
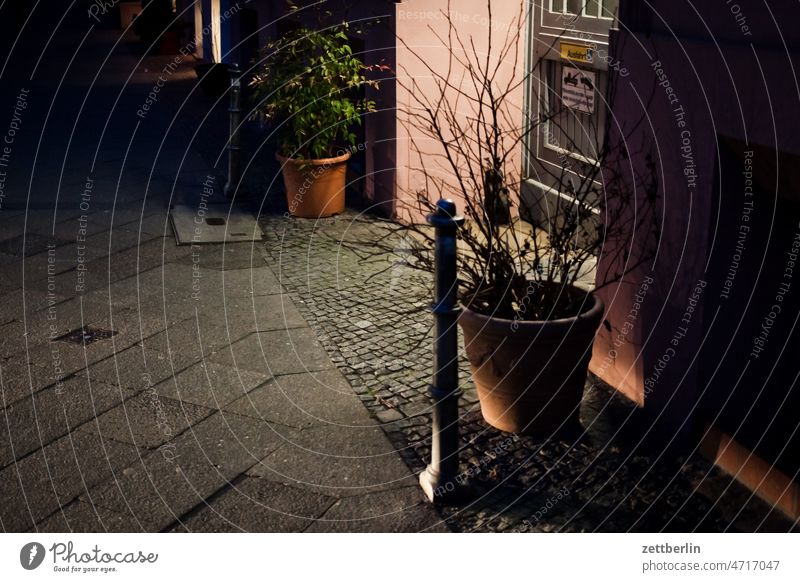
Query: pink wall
[(418, 22)]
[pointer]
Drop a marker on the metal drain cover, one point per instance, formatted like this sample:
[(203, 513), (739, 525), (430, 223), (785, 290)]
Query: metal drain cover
[(86, 335), (213, 223)]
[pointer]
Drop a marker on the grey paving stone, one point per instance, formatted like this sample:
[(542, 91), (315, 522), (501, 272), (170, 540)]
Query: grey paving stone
[(42, 222), (147, 420), (303, 400), (118, 239), (192, 340), (210, 385), (12, 339), (29, 244), (126, 263), (21, 378), (258, 505), (228, 256), (162, 283), (80, 517), (51, 263), (52, 477), (258, 280), (18, 304), (276, 353), (231, 283), (156, 223), (257, 313), (134, 369), (64, 317), (179, 477), (337, 462), (36, 421), (71, 228), (401, 510), (127, 326)]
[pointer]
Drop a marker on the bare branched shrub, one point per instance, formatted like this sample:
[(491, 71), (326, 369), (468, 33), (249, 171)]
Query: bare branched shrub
[(508, 268)]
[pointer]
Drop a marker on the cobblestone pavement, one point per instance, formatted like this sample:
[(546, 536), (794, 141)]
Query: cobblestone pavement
[(370, 313)]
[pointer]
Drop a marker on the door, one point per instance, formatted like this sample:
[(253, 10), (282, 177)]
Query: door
[(568, 52)]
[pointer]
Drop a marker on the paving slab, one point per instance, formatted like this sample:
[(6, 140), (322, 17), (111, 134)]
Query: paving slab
[(338, 462), (397, 511), (135, 369), (146, 420), (34, 422), (276, 353), (258, 313), (20, 378), (29, 244), (119, 239), (303, 400), (191, 341), (39, 484), (179, 478), (227, 256), (80, 517), (258, 505), (18, 304), (210, 385), (253, 280)]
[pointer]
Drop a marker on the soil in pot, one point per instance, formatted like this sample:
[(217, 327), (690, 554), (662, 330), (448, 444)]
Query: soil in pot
[(314, 188), (530, 374)]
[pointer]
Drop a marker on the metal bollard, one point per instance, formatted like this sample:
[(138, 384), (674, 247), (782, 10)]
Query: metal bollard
[(440, 481), (235, 119)]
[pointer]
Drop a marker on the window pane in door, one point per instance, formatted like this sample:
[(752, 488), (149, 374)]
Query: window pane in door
[(610, 8), (576, 132)]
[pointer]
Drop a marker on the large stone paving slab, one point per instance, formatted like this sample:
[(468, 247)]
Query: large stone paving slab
[(259, 505), (275, 353), (179, 478), (36, 421), (39, 484), (210, 385), (80, 517), (338, 462), (18, 304), (135, 369), (21, 378), (147, 420), (303, 400), (397, 511), (259, 313)]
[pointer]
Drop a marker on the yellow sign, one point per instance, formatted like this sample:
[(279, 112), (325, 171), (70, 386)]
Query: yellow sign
[(577, 53)]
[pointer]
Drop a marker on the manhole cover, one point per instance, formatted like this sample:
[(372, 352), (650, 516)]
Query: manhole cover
[(86, 335)]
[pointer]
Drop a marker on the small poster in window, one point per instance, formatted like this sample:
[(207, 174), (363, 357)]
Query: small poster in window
[(577, 89)]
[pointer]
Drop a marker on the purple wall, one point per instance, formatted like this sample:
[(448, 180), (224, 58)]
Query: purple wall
[(710, 82)]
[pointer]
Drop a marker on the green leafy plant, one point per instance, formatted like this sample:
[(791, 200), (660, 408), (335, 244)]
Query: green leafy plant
[(308, 83)]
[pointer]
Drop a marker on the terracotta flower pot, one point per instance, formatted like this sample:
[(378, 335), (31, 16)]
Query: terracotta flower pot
[(314, 188), (530, 374)]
